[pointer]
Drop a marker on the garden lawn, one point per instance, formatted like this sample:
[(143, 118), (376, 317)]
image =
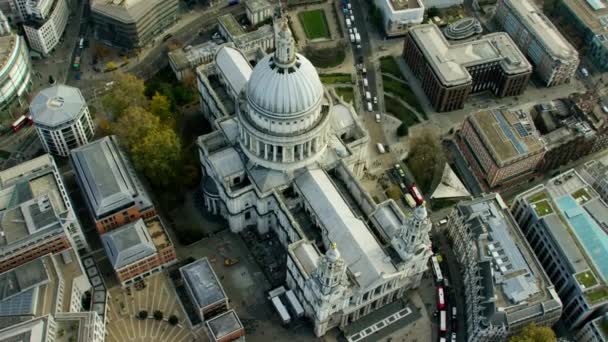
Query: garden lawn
[(403, 91), (336, 78), (347, 93), (388, 65), (396, 109), (314, 23)]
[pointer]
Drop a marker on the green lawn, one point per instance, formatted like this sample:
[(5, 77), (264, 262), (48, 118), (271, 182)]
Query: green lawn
[(581, 193), (388, 65), (336, 78), (347, 93), (537, 197), (396, 109), (325, 58), (543, 208), (403, 91), (587, 279), (597, 295), (314, 24)]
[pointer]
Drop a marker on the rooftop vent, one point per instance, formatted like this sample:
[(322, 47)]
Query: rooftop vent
[(56, 102)]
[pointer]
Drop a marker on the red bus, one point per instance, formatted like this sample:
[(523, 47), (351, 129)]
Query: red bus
[(443, 322), (19, 123), (440, 298), (416, 194)]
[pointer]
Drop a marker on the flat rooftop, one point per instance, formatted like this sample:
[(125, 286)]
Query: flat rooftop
[(107, 178), (30, 201), (203, 283), (33, 330), (543, 29), (592, 13), (509, 134), (126, 11), (232, 26), (188, 58), (575, 214), (403, 5), (450, 60), (128, 244), (224, 324)]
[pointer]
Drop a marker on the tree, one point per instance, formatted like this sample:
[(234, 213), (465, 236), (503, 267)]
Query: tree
[(127, 91), (173, 320), (111, 66), (161, 108), (432, 12), (426, 159), (134, 124), (534, 333), (158, 315), (157, 155), (402, 130), (143, 314)]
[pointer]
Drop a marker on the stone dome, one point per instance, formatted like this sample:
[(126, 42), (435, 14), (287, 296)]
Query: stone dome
[(284, 82), (279, 90)]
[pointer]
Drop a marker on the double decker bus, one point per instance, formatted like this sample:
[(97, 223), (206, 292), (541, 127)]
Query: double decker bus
[(443, 322), (436, 270), (20, 123), (441, 302)]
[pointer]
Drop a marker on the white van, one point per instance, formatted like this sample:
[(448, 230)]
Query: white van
[(365, 84), (380, 148), (352, 38), (347, 22), (368, 96), (369, 106), (377, 117)]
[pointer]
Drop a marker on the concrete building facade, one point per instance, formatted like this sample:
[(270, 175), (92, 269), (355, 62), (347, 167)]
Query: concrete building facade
[(111, 188), (449, 72), (132, 24), (563, 221), (62, 119), (399, 15), (45, 23), (502, 146), (15, 68), (554, 59), (505, 286)]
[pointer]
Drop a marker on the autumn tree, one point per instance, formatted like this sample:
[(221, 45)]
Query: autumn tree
[(161, 108), (534, 333), (127, 91), (133, 125), (157, 155), (425, 158)]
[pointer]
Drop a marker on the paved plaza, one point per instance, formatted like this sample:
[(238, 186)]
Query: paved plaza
[(157, 295)]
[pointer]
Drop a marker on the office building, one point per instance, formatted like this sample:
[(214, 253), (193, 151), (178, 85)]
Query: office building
[(225, 327), (62, 119), (564, 221), (48, 290), (399, 15), (595, 172), (204, 289), (132, 24), (555, 60), (502, 146), (441, 3), (449, 72), (505, 286), (284, 161), (45, 22), (594, 331), (138, 249), (111, 188), (36, 215), (15, 68)]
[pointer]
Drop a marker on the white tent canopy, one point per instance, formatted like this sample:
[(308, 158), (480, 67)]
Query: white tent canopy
[(450, 185)]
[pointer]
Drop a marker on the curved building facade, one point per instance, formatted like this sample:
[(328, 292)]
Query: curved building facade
[(15, 71), (62, 119), (132, 23), (284, 115)]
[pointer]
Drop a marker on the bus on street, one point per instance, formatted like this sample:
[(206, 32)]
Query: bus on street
[(436, 269)]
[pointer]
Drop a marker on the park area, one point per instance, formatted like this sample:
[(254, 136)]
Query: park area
[(314, 24)]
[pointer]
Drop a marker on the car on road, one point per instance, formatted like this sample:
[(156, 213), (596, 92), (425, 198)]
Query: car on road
[(442, 222), (377, 118), (358, 46), (352, 38), (375, 99), (585, 72), (364, 71), (368, 96), (369, 106), (365, 83), (453, 339), (380, 148)]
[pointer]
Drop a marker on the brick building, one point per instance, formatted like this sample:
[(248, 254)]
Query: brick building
[(502, 146), (110, 186), (36, 215), (204, 289), (449, 72), (138, 249)]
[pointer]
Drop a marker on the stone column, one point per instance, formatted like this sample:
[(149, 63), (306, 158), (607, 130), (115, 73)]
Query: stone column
[(274, 153)]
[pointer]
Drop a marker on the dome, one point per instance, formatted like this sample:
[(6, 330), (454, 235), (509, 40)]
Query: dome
[(284, 90), (284, 82)]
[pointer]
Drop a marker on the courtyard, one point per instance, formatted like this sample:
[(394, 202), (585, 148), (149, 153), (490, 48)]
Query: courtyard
[(125, 305)]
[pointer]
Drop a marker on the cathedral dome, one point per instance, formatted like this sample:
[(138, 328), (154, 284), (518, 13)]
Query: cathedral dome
[(284, 82)]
